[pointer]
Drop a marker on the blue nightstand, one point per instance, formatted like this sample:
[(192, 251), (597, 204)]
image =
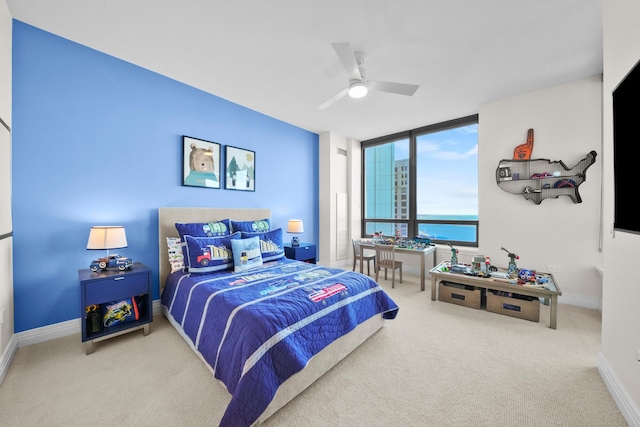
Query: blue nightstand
[(108, 285), (305, 252)]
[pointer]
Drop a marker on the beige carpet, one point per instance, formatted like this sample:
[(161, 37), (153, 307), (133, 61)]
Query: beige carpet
[(437, 364)]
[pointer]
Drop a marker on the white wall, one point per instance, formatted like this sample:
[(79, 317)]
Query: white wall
[(557, 232), (618, 361), (355, 192), (7, 337), (5, 62), (334, 183)]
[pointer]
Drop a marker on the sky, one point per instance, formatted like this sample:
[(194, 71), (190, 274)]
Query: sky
[(447, 164)]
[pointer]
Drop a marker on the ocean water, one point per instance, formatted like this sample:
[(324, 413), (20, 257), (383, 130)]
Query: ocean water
[(461, 233)]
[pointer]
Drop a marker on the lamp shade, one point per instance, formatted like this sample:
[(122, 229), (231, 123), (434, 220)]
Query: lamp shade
[(295, 226), (107, 237)]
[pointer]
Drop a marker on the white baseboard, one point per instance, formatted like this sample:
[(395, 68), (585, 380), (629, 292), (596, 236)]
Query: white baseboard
[(7, 357), (45, 333), (629, 410), (59, 330), (49, 332), (581, 301)]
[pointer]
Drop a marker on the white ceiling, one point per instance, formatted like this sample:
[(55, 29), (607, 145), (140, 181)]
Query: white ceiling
[(275, 56)]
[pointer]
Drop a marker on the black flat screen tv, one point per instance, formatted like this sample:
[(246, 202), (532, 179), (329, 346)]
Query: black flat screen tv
[(626, 151)]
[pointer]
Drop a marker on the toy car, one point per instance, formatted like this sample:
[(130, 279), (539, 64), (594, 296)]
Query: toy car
[(541, 175), (112, 262), (117, 314)]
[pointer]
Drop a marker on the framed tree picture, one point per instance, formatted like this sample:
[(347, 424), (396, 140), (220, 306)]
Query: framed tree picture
[(240, 169), (200, 163)]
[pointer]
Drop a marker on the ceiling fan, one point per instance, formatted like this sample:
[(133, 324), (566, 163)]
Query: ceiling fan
[(353, 63)]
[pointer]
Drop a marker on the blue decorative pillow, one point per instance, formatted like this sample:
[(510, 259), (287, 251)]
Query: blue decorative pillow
[(246, 254), (207, 254), (257, 226), (202, 229), (271, 245)]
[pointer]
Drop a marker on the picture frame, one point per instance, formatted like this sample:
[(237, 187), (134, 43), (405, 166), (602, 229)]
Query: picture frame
[(240, 170), (200, 163)]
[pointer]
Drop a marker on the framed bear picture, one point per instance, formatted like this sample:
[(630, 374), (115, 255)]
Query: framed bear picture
[(240, 171), (200, 163)]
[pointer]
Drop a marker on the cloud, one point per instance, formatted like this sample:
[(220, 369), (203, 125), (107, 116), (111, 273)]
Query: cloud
[(468, 130), (453, 155), (433, 150)]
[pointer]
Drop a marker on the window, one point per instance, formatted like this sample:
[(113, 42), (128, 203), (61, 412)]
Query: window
[(424, 183)]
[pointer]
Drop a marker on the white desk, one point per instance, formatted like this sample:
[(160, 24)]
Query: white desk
[(422, 253)]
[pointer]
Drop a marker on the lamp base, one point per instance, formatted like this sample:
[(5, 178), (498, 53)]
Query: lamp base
[(295, 241)]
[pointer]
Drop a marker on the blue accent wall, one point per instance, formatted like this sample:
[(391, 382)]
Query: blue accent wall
[(98, 141)]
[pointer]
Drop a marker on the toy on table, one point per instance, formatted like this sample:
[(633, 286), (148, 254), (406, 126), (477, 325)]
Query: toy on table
[(479, 266), (526, 275), (512, 268), (454, 255), (111, 262)]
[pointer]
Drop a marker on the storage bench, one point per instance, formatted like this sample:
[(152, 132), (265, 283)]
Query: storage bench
[(520, 306), (455, 293)]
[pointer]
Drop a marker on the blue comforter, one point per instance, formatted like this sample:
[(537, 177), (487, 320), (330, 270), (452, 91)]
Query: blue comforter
[(255, 329)]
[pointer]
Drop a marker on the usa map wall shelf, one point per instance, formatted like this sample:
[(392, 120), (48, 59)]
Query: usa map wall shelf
[(539, 179)]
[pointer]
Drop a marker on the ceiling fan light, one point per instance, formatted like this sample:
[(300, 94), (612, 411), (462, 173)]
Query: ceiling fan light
[(357, 90)]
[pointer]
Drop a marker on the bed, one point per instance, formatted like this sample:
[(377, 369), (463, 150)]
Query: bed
[(269, 331)]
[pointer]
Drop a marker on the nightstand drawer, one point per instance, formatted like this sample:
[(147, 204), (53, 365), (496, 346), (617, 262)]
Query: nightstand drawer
[(116, 287), (304, 252)]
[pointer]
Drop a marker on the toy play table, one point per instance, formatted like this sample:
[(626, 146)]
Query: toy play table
[(549, 293)]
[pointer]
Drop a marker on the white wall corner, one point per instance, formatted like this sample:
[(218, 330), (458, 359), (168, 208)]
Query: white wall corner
[(7, 356), (629, 410), (581, 301)]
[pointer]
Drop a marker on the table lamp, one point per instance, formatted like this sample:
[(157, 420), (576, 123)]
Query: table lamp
[(295, 226), (107, 237)]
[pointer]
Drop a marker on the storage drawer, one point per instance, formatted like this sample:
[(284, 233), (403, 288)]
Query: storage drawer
[(455, 293), (515, 307), (116, 287), (304, 252)]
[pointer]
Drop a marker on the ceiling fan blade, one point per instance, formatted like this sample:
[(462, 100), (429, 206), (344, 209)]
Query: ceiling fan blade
[(333, 99), (348, 59), (399, 88)]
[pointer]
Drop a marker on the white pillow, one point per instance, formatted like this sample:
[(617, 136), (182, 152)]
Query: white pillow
[(176, 259)]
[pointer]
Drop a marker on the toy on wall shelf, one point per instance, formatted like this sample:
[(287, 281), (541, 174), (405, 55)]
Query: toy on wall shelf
[(523, 151)]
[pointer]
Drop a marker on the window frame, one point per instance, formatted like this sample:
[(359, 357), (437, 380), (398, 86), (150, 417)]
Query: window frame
[(412, 222)]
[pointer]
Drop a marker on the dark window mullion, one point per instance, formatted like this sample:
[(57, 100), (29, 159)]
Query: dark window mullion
[(412, 230), (412, 178)]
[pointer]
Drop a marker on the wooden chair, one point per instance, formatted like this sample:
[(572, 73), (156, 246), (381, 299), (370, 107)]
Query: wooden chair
[(386, 258), (356, 257)]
